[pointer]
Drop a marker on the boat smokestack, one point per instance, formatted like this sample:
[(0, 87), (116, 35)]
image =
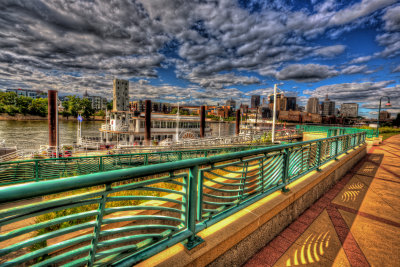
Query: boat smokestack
[(237, 130), (147, 122), (52, 118), (202, 120)]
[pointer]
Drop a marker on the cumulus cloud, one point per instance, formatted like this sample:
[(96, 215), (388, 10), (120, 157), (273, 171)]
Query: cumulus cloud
[(392, 19), (361, 59), (222, 80), (352, 69), (390, 40), (306, 73), (330, 51), (367, 93), (79, 45), (358, 10), (396, 69)]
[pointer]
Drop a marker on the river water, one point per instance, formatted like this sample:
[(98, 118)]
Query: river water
[(32, 134)]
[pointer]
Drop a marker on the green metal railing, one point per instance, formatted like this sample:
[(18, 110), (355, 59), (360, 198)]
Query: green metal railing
[(334, 131), (14, 172), (120, 217)]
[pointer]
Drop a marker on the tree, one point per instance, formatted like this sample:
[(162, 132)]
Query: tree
[(38, 107), (9, 98), (86, 107), (66, 113), (396, 122), (23, 103), (65, 105), (100, 113), (74, 105), (110, 105), (11, 109)]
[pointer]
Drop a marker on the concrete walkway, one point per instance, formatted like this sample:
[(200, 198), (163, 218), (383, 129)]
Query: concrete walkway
[(356, 223)]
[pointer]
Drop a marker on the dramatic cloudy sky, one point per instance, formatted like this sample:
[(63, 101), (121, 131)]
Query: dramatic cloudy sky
[(205, 51)]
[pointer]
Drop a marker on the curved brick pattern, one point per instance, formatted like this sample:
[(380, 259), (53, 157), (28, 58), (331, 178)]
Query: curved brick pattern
[(366, 199)]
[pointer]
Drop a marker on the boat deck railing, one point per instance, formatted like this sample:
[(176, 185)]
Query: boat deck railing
[(121, 217)]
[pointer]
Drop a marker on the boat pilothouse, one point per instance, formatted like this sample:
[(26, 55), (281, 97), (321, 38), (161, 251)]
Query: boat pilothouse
[(128, 128)]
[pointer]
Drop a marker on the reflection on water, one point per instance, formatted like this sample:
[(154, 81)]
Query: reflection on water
[(32, 134)]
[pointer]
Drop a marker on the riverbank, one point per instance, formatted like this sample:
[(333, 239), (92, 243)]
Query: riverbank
[(21, 117)]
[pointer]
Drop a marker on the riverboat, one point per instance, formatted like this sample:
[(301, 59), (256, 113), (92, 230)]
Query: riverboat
[(124, 128)]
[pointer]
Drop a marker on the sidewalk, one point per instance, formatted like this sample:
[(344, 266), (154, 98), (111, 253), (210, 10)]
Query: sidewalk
[(356, 223)]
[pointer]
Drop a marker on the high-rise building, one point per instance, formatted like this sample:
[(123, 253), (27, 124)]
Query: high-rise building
[(120, 95), (282, 102), (231, 103), (384, 115), (98, 102), (255, 101), (280, 105), (328, 107), (290, 103), (349, 110), (313, 105)]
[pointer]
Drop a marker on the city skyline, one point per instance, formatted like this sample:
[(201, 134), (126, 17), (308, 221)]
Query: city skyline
[(205, 52)]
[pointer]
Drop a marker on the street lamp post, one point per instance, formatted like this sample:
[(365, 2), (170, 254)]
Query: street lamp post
[(379, 112), (177, 124), (274, 115)]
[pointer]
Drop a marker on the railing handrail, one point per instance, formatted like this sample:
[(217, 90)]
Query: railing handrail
[(31, 190)]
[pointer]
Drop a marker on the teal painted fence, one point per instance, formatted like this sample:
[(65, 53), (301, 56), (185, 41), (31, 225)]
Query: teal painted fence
[(120, 217), (14, 172), (334, 131)]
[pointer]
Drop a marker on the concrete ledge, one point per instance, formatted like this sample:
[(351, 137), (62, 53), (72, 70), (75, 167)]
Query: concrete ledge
[(232, 241)]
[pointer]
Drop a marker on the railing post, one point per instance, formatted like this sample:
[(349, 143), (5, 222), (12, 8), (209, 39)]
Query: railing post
[(319, 155), (262, 173), (194, 240), (97, 227), (286, 158), (243, 179), (146, 159), (336, 147), (37, 170), (101, 167), (180, 155)]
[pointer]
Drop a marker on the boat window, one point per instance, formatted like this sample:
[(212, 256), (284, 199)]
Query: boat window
[(163, 124), (157, 124), (141, 124)]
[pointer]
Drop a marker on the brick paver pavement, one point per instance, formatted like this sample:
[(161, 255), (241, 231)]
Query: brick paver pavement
[(356, 223)]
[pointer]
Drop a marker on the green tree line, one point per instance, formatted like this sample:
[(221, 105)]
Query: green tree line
[(75, 105), (12, 104)]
